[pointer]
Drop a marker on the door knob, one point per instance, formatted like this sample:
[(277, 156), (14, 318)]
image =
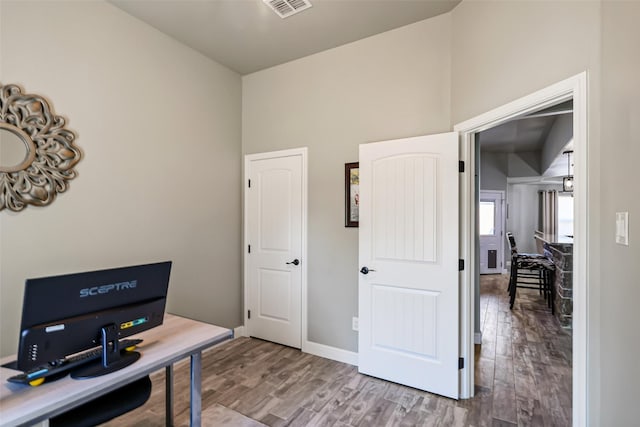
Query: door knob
[(294, 262), (366, 270)]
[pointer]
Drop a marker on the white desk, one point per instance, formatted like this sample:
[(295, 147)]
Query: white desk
[(176, 339)]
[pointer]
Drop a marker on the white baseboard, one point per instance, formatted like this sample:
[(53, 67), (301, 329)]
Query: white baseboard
[(329, 352), (239, 331), (315, 348), (477, 338)]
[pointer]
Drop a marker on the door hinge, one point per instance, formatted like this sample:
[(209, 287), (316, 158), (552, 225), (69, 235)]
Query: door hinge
[(460, 264), (248, 314), (461, 363), (460, 166), (249, 183), (249, 248)]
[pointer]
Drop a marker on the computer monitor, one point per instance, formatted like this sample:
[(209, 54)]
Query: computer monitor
[(67, 314)]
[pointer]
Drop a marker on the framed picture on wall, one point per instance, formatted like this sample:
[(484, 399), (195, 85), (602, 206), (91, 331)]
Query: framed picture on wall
[(352, 194)]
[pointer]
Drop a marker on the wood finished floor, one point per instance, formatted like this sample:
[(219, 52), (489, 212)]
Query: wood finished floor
[(523, 377)]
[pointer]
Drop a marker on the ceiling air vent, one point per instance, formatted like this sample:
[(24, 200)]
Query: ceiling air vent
[(286, 8)]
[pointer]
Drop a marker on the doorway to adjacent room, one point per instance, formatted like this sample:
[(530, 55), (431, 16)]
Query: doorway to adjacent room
[(574, 89)]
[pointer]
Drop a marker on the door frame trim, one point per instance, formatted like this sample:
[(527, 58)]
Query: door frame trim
[(248, 158), (572, 88)]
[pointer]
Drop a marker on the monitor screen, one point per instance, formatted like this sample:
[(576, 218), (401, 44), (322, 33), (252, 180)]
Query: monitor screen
[(67, 314)]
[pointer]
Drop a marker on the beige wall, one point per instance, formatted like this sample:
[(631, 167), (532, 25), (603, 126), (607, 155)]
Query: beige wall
[(163, 134), (159, 125), (620, 266), (388, 86), (505, 50)]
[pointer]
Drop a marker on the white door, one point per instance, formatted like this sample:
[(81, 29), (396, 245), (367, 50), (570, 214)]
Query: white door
[(274, 235), (490, 229), (408, 299)]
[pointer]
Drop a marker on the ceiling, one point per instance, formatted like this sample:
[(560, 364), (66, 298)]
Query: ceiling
[(517, 135), (528, 134), (247, 36), (523, 133)]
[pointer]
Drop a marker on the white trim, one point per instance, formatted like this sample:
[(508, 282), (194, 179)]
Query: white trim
[(580, 253), (303, 152), (572, 88), (467, 252), (329, 352), (239, 331), (477, 338), (305, 211)]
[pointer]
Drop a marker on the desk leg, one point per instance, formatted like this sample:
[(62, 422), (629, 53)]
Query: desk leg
[(196, 389), (168, 401)]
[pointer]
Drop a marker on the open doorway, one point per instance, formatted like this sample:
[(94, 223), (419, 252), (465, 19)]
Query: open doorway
[(572, 89), (526, 342)]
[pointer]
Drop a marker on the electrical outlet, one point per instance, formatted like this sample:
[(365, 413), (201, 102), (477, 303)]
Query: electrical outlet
[(354, 323)]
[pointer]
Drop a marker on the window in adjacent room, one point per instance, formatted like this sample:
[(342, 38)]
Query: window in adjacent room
[(487, 218), (565, 215)]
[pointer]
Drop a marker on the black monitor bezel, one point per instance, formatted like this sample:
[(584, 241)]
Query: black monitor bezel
[(61, 335)]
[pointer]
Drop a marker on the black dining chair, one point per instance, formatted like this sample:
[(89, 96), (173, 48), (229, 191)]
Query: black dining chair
[(530, 271)]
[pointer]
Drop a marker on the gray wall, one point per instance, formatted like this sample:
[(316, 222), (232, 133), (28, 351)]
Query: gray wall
[(388, 86), (159, 126), (523, 164), (559, 136), (620, 371), (493, 171), (407, 82), (517, 48), (522, 200)]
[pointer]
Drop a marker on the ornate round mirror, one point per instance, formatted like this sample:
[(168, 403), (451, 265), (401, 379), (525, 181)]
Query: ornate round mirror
[(37, 154), (17, 150)]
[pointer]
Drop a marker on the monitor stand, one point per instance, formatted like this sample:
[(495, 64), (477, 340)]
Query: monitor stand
[(112, 358)]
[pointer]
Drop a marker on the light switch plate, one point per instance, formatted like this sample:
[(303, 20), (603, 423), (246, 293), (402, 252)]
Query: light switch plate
[(622, 228)]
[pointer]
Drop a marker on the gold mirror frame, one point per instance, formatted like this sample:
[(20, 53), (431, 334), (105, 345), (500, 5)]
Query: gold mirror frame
[(51, 154)]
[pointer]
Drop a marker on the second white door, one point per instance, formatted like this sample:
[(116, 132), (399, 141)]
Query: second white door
[(408, 288), (490, 230), (274, 236)]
